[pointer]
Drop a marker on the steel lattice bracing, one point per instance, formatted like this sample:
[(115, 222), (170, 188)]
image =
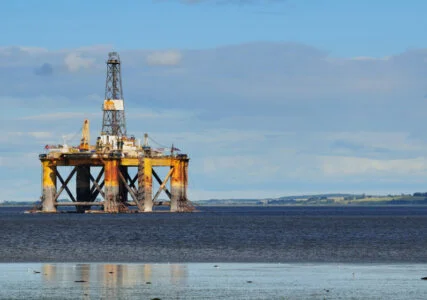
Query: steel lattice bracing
[(113, 183), (114, 122)]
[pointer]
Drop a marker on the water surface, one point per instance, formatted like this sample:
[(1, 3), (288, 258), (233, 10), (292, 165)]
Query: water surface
[(220, 234), (208, 281)]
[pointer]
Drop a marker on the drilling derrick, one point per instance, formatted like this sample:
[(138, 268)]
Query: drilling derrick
[(113, 122)]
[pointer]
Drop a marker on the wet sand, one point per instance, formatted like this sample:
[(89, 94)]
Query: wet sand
[(212, 281)]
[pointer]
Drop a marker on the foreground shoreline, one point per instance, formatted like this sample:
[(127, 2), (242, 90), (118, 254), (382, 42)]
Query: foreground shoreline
[(212, 281)]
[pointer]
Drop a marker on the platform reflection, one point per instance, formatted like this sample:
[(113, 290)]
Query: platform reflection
[(112, 281)]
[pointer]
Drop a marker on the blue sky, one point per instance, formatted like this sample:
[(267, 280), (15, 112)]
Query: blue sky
[(344, 28), (269, 98)]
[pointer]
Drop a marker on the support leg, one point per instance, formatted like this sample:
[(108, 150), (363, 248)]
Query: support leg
[(179, 183), (83, 187), (145, 184), (111, 186), (122, 186), (141, 190), (49, 186), (176, 185), (148, 186)]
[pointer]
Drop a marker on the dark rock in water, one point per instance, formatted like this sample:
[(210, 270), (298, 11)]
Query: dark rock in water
[(36, 272), (156, 299), (79, 280), (216, 266), (424, 278), (111, 272), (148, 282), (249, 281)]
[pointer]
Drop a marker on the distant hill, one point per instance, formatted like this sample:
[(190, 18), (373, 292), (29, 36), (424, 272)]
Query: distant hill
[(18, 203), (326, 199)]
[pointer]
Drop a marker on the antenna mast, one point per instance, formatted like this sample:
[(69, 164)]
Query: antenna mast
[(113, 122)]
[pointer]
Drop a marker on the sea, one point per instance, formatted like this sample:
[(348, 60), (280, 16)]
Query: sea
[(284, 252)]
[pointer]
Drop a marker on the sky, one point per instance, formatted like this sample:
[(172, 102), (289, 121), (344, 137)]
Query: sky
[(268, 98)]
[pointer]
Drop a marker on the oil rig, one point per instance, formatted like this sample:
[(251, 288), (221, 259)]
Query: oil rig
[(111, 158)]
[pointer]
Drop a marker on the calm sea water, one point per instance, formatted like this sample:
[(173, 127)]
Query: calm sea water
[(220, 234), (209, 281)]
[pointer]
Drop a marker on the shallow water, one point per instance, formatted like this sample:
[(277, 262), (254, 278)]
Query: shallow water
[(212, 281), (220, 234)]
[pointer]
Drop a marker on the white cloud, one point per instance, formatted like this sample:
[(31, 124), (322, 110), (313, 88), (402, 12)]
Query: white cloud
[(345, 166), (75, 62), (26, 160), (40, 134), (196, 194), (58, 116), (147, 113), (34, 50), (24, 138), (99, 49), (94, 98), (370, 58), (34, 134), (394, 141), (223, 135), (8, 51), (164, 58)]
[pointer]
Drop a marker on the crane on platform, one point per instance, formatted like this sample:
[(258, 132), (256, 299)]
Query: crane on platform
[(85, 141)]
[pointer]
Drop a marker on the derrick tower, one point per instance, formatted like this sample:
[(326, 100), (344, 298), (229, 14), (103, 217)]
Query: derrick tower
[(113, 122)]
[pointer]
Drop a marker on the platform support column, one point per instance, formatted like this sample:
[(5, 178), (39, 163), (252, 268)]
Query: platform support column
[(49, 186), (148, 185), (83, 187), (111, 187), (184, 191), (179, 185), (141, 192), (145, 184), (122, 188)]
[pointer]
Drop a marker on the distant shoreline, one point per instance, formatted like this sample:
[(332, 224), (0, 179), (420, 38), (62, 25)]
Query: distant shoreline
[(337, 199), (373, 204)]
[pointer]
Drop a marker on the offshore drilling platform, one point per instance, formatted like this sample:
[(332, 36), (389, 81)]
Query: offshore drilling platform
[(113, 155)]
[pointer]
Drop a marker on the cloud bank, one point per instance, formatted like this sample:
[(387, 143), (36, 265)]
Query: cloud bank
[(256, 117), (164, 58)]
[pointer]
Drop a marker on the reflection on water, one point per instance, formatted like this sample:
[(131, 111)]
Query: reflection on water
[(113, 280), (212, 281)]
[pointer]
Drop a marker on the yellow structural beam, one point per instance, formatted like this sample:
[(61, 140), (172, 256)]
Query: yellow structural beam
[(125, 161), (154, 161)]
